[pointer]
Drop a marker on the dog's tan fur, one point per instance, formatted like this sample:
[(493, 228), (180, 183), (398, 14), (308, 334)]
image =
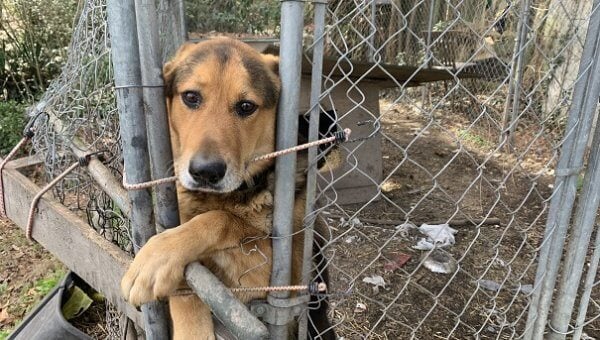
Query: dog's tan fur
[(226, 230)]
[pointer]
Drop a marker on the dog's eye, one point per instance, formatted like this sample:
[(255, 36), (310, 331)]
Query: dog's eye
[(192, 99), (245, 108)]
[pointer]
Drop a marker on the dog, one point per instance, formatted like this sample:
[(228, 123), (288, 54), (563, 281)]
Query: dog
[(221, 98)]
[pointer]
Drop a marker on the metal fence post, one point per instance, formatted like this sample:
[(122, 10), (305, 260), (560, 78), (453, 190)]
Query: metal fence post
[(586, 292), (577, 132), (313, 134), (126, 64), (285, 167), (157, 124), (509, 124), (585, 216)]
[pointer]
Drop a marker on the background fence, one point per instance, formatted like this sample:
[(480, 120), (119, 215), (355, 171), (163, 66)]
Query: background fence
[(478, 114)]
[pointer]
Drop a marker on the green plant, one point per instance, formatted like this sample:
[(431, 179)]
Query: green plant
[(34, 36), (44, 285), (12, 122), (474, 139), (31, 294), (234, 16)]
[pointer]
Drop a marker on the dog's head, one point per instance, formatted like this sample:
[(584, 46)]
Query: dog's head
[(222, 100)]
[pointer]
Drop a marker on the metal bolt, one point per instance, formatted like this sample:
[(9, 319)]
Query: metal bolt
[(260, 310)]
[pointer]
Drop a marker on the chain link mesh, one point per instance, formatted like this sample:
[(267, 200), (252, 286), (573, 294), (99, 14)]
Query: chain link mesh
[(452, 151)]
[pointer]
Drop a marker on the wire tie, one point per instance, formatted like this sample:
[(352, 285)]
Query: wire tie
[(340, 137), (28, 133), (84, 161)]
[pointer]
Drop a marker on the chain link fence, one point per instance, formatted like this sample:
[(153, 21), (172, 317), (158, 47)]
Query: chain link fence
[(445, 204), (455, 175)]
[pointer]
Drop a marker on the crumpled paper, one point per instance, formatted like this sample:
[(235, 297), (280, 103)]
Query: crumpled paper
[(438, 235)]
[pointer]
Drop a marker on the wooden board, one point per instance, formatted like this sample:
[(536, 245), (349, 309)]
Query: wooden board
[(25, 162), (386, 75), (97, 261)]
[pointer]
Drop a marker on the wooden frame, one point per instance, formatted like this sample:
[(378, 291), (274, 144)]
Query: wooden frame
[(97, 261)]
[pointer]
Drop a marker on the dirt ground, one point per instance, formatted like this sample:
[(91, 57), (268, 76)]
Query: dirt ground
[(27, 272), (438, 170)]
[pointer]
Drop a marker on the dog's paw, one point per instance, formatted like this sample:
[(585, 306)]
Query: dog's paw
[(156, 271)]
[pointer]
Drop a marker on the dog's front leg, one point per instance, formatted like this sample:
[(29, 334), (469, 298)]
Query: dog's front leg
[(191, 318), (158, 268)]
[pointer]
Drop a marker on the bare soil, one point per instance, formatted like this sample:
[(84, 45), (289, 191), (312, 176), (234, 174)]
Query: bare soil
[(442, 169), (27, 273), (21, 264)]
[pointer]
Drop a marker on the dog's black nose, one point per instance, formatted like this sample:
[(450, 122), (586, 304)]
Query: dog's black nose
[(205, 170)]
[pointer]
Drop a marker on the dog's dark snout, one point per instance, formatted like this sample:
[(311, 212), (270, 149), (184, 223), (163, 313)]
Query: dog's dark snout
[(207, 170)]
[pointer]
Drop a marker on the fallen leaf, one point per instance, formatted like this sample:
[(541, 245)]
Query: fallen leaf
[(360, 307), (398, 260), (4, 317)]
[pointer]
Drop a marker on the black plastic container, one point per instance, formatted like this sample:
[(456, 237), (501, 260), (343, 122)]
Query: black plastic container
[(46, 321)]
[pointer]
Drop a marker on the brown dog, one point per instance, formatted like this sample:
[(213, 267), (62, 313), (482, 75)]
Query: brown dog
[(222, 102)]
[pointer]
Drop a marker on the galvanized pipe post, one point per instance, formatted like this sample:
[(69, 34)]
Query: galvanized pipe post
[(126, 64), (372, 31), (586, 293), (290, 63), (509, 119), (577, 133), (157, 123), (585, 216), (518, 76), (313, 134)]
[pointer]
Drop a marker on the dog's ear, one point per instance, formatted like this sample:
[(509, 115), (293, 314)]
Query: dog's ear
[(168, 77), (272, 62), (170, 66), (329, 157)]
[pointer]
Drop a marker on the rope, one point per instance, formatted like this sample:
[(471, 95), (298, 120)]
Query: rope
[(83, 161), (338, 137), (10, 155), (148, 184), (313, 288)]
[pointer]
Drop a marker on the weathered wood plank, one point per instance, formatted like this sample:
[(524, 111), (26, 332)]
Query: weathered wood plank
[(96, 260), (25, 162)]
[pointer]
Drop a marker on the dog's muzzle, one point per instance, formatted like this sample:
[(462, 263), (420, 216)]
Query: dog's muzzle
[(207, 171)]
